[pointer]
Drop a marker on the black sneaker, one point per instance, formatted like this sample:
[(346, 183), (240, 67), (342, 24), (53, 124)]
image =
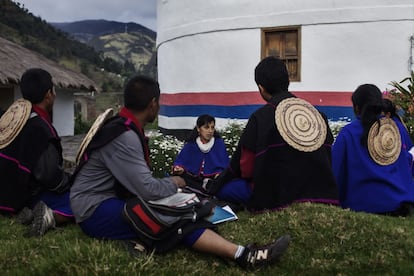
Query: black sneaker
[(25, 216), (135, 248), (43, 220), (258, 256)]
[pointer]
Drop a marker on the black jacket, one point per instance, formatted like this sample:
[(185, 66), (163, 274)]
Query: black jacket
[(281, 173), (31, 164)]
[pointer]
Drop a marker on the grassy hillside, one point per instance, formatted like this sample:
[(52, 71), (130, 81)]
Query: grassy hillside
[(129, 44), (19, 25), (133, 47), (103, 27), (32, 32), (326, 240)]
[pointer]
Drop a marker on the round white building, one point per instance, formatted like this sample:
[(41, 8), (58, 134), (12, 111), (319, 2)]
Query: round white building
[(207, 52)]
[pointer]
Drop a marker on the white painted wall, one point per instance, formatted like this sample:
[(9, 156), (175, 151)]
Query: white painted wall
[(209, 46), (335, 57), (63, 113), (339, 57), (176, 18), (17, 93), (214, 45), (218, 61)]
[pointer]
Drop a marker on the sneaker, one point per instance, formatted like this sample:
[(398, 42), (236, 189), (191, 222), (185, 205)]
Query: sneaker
[(43, 220), (258, 256), (25, 216), (135, 248)]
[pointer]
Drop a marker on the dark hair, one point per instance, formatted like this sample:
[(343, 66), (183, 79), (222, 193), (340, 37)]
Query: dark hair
[(201, 121), (34, 84), (271, 73), (390, 110), (368, 99), (389, 107), (139, 92)]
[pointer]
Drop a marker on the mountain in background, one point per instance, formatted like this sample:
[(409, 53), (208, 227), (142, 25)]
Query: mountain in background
[(130, 44), (20, 26), (85, 29)]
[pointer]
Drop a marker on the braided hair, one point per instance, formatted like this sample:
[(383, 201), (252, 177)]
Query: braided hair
[(368, 104)]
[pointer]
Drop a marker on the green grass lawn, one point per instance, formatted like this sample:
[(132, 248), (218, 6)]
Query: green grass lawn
[(325, 241)]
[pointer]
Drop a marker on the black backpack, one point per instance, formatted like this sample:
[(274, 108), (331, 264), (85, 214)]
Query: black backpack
[(158, 219)]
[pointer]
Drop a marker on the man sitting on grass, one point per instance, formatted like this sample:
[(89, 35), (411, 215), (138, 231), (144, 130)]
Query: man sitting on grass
[(115, 167), (284, 151), (33, 182)]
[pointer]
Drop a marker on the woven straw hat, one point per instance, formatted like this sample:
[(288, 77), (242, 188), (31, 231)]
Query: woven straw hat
[(100, 120), (384, 144), (13, 121), (300, 124)]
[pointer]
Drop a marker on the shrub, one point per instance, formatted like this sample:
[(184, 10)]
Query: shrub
[(231, 134), (81, 126), (403, 98), (164, 148), (336, 126)]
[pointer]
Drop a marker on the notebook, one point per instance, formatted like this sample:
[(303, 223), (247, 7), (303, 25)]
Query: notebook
[(222, 214)]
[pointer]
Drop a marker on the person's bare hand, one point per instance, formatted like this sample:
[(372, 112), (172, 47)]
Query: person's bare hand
[(177, 170), (179, 181)]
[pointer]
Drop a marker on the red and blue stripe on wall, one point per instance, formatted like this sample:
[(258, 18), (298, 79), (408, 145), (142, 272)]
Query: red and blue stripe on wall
[(240, 105)]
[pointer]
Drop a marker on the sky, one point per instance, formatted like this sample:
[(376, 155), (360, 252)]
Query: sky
[(142, 12)]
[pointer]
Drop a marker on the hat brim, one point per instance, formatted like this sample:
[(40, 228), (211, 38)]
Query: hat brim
[(300, 124), (384, 141), (13, 121), (100, 120)]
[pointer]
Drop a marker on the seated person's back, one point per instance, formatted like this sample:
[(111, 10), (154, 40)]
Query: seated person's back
[(284, 160), (372, 165), (34, 184)]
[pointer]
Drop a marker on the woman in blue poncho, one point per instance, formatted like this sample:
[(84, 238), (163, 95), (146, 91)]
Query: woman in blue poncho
[(204, 156), (371, 159)]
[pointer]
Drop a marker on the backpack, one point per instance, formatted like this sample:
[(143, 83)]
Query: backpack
[(158, 219)]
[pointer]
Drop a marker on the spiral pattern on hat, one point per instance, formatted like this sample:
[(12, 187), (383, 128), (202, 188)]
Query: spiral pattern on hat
[(300, 124), (384, 143), (13, 121)]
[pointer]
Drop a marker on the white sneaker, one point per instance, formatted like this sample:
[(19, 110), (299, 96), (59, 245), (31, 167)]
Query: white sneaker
[(43, 220)]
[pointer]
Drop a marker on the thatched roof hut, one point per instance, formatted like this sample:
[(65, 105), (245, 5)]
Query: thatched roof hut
[(15, 59)]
